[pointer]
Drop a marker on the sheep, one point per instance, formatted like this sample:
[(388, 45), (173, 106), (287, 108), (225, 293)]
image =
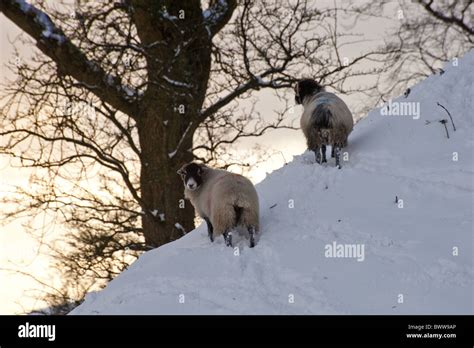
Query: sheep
[(224, 200), (326, 119)]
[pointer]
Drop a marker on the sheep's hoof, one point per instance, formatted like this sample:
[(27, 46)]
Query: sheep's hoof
[(320, 160), (228, 238), (251, 230)]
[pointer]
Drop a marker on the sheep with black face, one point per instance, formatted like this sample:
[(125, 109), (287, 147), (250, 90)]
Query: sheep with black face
[(224, 200), (326, 119)]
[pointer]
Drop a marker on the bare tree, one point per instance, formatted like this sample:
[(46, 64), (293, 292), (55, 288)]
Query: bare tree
[(119, 94), (426, 35)]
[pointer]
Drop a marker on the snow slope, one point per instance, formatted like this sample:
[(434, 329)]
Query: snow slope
[(408, 251)]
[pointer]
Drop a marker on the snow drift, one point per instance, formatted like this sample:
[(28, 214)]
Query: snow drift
[(404, 197)]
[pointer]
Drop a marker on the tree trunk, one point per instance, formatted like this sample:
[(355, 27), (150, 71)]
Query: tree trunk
[(168, 117), (168, 216)]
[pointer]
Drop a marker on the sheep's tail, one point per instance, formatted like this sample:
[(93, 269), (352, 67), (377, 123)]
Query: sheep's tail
[(322, 116), (238, 213), (246, 217)]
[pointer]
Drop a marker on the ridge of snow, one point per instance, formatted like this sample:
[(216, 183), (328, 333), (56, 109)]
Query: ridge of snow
[(305, 207)]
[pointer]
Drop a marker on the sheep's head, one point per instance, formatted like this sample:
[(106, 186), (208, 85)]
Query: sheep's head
[(191, 174), (306, 87)]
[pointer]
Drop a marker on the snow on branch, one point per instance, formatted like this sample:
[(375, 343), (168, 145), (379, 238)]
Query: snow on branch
[(172, 154), (216, 11), (218, 14), (176, 83), (180, 227), (50, 31), (114, 82), (167, 16)]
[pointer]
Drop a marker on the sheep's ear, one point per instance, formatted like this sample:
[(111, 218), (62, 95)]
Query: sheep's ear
[(202, 169), (180, 172)]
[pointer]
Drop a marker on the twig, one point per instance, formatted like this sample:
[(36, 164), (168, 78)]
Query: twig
[(454, 127), (443, 122)]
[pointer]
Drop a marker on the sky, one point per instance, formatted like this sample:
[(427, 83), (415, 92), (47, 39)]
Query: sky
[(19, 251)]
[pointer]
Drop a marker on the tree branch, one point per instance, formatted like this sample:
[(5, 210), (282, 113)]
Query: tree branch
[(69, 59), (446, 19), (218, 14), (247, 86)]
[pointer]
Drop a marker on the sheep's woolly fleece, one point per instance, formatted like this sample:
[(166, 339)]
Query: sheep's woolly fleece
[(408, 251), (221, 191)]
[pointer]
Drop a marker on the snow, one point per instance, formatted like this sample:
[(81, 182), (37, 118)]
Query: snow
[(180, 227), (177, 83), (216, 11), (207, 13), (49, 30), (156, 213), (416, 247), (111, 81), (24, 6), (169, 17), (173, 153), (129, 91), (263, 83), (213, 14)]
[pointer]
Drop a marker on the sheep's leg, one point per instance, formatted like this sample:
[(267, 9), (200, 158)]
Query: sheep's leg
[(337, 153), (251, 230), (228, 238), (317, 152), (210, 229), (333, 148), (323, 150)]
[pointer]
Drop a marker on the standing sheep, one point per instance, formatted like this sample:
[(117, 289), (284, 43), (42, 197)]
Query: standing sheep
[(224, 200), (326, 119)]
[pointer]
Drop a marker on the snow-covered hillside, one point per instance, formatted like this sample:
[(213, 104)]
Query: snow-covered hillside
[(418, 253)]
